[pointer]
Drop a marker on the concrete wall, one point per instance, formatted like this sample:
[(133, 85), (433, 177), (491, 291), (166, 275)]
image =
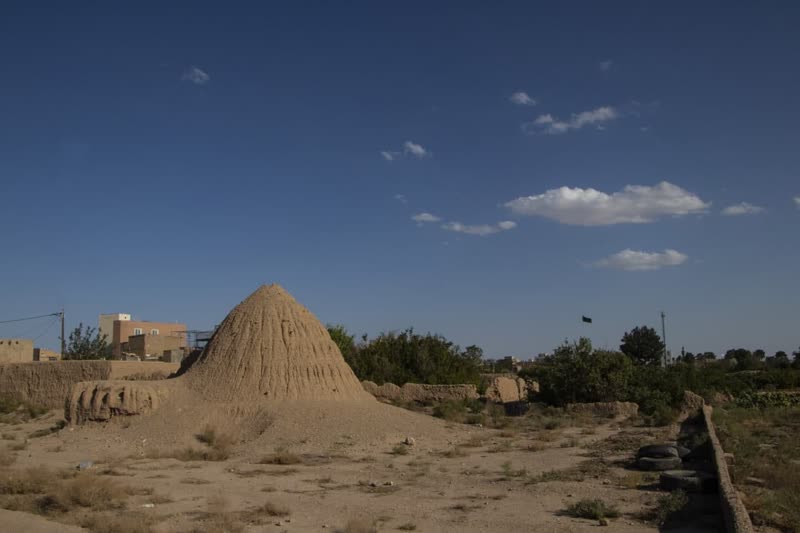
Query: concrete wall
[(48, 385), (737, 520), (16, 350)]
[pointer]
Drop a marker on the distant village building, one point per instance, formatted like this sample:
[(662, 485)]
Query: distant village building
[(43, 354), (16, 350), (141, 338), (105, 324)]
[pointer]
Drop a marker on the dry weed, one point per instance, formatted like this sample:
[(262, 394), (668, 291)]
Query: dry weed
[(359, 525), (455, 451), (281, 457)]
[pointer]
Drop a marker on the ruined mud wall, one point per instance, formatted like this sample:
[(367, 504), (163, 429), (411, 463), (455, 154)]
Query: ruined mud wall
[(604, 409), (48, 384), (420, 392), (507, 388)]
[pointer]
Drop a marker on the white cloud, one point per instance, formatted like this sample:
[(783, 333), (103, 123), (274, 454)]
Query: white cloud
[(550, 125), (606, 65), (797, 201), (633, 260), (507, 224), (482, 229), (425, 217), (415, 149), (589, 207), (196, 76), (521, 98), (401, 198), (410, 149), (742, 209)]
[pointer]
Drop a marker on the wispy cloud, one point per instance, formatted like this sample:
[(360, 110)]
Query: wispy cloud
[(401, 198), (553, 126), (415, 149), (633, 260), (196, 76), (742, 208), (797, 201), (521, 98), (589, 207), (410, 149), (482, 229), (605, 65), (425, 217)]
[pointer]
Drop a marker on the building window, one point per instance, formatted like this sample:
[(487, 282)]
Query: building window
[(137, 331), (153, 332)]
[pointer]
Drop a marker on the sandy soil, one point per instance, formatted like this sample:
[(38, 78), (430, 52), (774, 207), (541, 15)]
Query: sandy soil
[(464, 479)]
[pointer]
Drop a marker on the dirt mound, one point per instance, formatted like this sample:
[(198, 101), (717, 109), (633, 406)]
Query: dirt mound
[(271, 376), (271, 346)]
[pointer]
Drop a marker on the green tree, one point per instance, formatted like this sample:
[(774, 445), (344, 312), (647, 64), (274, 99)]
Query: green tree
[(87, 344), (346, 343), (643, 346), (408, 357), (745, 359), (576, 373)]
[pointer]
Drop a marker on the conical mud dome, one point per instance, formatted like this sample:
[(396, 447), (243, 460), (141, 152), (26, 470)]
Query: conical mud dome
[(272, 347)]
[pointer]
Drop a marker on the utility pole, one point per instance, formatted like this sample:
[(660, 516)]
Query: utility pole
[(63, 341), (664, 337)]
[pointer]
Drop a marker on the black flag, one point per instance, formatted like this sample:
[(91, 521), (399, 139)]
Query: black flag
[(586, 319)]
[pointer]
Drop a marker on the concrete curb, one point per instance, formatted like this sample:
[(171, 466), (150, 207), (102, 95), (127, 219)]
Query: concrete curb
[(733, 510)]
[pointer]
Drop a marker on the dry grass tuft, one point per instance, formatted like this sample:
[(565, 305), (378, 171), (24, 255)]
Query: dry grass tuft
[(270, 509), (408, 526), (400, 449), (359, 525), (455, 451), (126, 522), (195, 481), (6, 458), (281, 457)]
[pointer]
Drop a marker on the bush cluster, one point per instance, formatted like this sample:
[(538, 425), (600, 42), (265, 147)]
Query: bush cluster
[(408, 357)]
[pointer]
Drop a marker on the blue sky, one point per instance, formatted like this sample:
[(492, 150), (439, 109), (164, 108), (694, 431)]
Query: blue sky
[(487, 171)]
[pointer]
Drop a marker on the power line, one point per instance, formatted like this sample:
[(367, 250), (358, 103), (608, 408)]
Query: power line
[(46, 329), (29, 318)]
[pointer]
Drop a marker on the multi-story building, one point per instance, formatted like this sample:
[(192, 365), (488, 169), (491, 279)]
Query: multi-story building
[(105, 324), (120, 328)]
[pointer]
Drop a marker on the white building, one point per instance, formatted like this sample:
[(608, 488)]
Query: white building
[(105, 324)]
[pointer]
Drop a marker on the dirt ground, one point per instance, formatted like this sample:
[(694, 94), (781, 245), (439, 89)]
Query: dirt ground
[(518, 478)]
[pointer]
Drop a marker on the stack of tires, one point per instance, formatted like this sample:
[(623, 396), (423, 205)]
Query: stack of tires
[(668, 459)]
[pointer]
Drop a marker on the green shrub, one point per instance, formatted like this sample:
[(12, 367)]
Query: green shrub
[(408, 357), (670, 505), (592, 509)]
